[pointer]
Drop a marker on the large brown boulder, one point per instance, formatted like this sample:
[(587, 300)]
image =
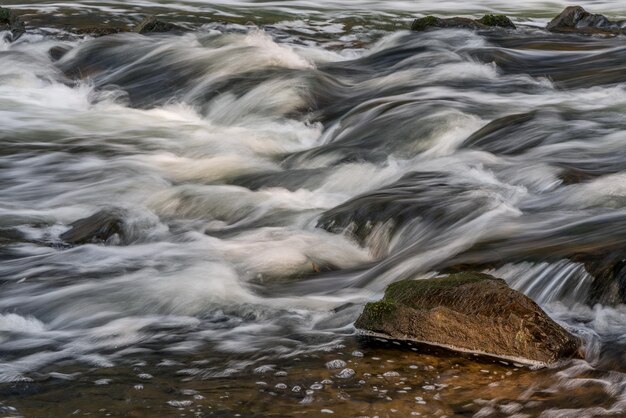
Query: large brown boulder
[(469, 312), (578, 20)]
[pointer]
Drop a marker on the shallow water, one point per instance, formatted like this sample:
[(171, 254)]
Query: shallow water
[(275, 168)]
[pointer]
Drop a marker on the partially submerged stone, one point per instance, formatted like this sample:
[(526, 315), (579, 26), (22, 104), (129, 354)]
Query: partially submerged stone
[(96, 228), (500, 21), (103, 30), (153, 25), (469, 312), (10, 21), (608, 270), (578, 20), (487, 21)]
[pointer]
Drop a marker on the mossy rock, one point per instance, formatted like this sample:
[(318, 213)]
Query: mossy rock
[(424, 23), (497, 20), (152, 24), (469, 312), (487, 21), (9, 21), (380, 310), (6, 15)]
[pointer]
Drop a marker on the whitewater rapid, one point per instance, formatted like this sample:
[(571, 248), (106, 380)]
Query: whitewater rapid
[(270, 185)]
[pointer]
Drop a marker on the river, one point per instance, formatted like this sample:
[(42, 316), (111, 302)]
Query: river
[(274, 168)]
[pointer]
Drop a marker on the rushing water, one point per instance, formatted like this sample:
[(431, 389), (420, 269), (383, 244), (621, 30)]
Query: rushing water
[(277, 167)]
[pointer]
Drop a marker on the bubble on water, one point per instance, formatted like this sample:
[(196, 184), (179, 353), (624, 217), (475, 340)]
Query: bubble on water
[(264, 369), (145, 376), (336, 364), (296, 389), (188, 392), (346, 374), (357, 354), (281, 386), (169, 363), (180, 404), (102, 382), (327, 411), (316, 386), (391, 374)]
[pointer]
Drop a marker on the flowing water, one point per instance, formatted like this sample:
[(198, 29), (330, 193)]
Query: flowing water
[(276, 167)]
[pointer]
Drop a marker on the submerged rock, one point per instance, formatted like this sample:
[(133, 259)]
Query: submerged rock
[(153, 25), (609, 276), (10, 21), (486, 21), (469, 312), (57, 52), (578, 20), (96, 228), (103, 30)]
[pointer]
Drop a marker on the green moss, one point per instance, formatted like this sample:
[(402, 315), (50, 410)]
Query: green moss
[(424, 23), (497, 20), (377, 311), (5, 15), (410, 291)]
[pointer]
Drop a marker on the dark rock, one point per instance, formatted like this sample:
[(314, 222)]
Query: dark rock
[(500, 21), (485, 22), (609, 276), (96, 228), (578, 20), (10, 236), (570, 175), (101, 30), (469, 312), (153, 25), (10, 21), (58, 52)]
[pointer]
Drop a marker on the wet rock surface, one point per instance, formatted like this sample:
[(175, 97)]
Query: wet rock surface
[(10, 21), (96, 228), (578, 20), (487, 21), (469, 312), (152, 24), (609, 273)]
